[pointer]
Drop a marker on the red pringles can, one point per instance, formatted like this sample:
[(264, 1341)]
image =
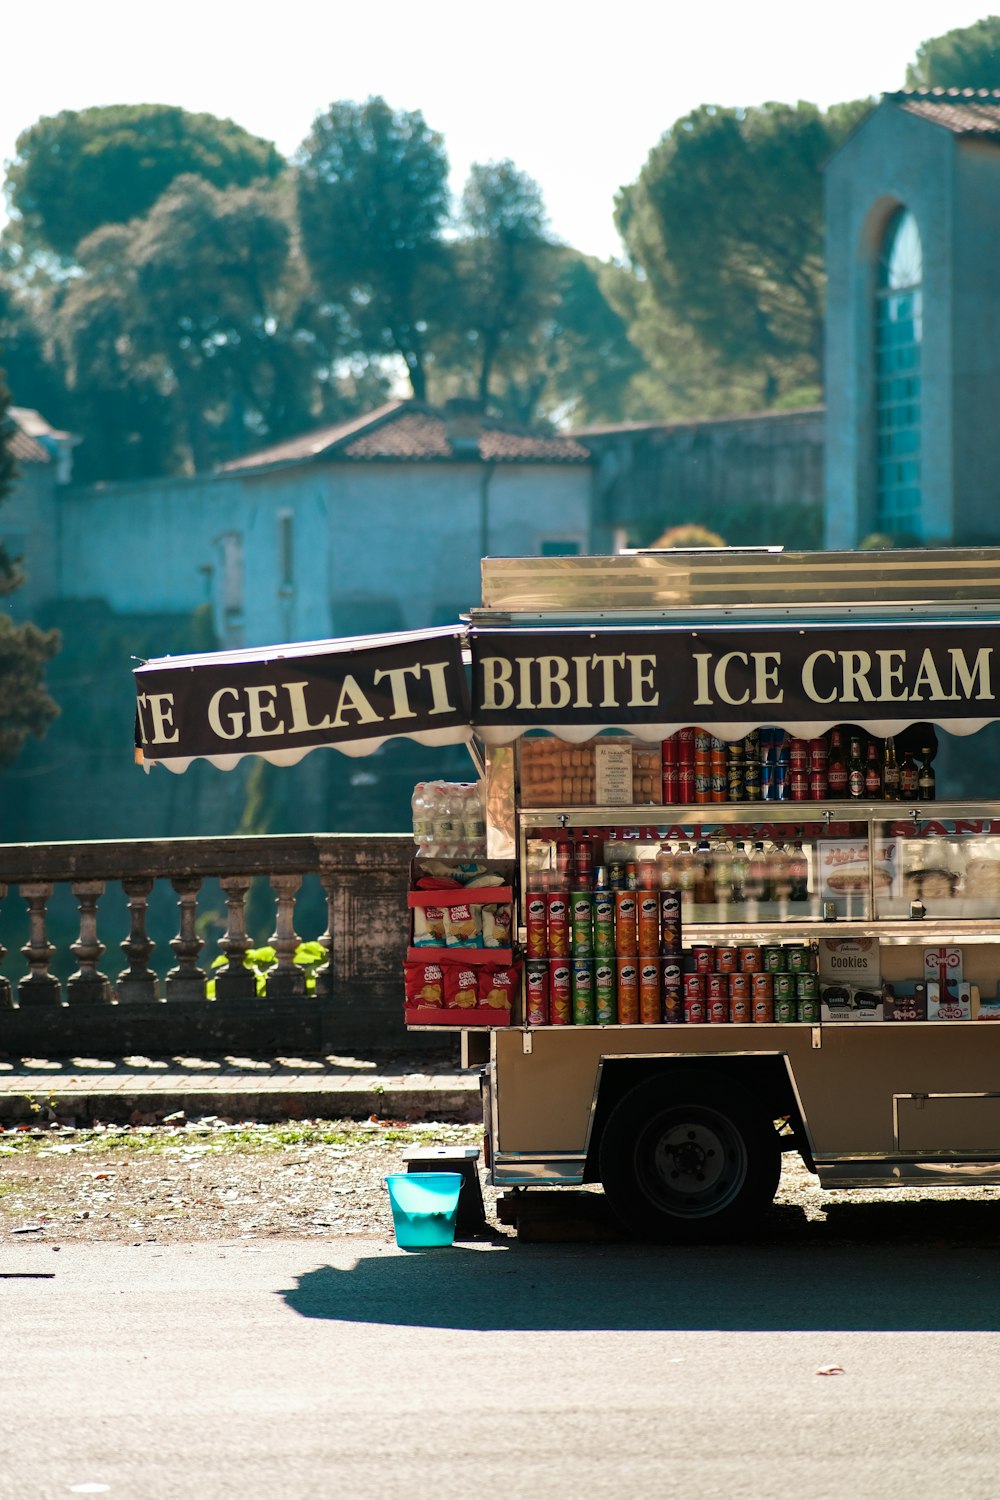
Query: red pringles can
[(672, 987), (703, 957), (536, 923), (695, 1012), (751, 961), (557, 915), (626, 927), (670, 921), (628, 991), (560, 992), (536, 986), (740, 999), (648, 907)]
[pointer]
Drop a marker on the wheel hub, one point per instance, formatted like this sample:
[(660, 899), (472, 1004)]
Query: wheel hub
[(690, 1158)]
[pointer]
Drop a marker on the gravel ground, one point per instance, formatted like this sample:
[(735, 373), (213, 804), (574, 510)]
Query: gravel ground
[(207, 1180)]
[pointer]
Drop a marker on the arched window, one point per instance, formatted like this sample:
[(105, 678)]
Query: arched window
[(898, 334)]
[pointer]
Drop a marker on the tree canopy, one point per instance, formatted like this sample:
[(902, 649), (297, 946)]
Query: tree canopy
[(726, 224), (81, 169), (372, 203), (966, 58), (25, 705)]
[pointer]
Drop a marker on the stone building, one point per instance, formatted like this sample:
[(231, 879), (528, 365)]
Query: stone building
[(913, 322)]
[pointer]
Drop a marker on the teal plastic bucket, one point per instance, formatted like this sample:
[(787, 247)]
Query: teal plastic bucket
[(424, 1206)]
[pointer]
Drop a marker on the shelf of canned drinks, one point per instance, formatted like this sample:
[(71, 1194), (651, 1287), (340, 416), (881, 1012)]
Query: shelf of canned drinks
[(704, 984)]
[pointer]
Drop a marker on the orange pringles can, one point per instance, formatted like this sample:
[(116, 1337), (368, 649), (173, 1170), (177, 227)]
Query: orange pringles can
[(726, 959), (626, 926), (649, 991), (751, 960), (557, 914), (628, 991), (649, 923)]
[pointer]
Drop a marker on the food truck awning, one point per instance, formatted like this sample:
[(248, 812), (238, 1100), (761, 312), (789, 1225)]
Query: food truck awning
[(280, 702), (356, 693), (804, 678)]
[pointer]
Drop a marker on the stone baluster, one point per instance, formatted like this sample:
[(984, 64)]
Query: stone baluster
[(138, 982), (286, 980), (324, 974), (88, 986), (186, 981), (6, 988), (235, 981), (38, 987)]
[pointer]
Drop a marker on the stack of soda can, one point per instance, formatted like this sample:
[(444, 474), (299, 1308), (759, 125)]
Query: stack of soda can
[(762, 767)]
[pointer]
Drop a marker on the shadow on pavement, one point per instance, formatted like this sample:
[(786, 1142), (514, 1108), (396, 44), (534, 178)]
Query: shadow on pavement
[(891, 1285)]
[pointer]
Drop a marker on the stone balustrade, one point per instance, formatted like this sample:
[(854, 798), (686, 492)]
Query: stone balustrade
[(58, 998)]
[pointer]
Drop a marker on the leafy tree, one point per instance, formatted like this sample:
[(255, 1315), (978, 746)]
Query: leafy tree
[(725, 224), (81, 169), (505, 264), (25, 705), (966, 58), (195, 309), (372, 202)]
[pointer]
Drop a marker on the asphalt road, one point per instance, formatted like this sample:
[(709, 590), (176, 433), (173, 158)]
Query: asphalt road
[(350, 1368)]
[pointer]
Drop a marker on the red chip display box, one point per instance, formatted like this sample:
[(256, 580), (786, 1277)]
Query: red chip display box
[(460, 968)]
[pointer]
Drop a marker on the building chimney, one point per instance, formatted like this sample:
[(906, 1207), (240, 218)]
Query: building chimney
[(463, 418)]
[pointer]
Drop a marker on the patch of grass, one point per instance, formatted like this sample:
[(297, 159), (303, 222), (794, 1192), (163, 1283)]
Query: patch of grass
[(235, 1139)]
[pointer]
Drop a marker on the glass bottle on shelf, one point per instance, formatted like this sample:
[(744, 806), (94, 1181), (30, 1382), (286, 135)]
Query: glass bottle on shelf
[(855, 770), (873, 773), (667, 867), (890, 772), (798, 873), (757, 886), (685, 869), (836, 770), (781, 875), (909, 776), (738, 865), (704, 876), (723, 862), (926, 779)]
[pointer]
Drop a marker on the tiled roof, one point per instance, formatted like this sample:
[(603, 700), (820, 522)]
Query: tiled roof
[(409, 431), (962, 111), (29, 427), (25, 449)]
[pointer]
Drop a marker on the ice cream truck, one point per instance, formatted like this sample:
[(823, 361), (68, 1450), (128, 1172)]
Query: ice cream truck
[(736, 891)]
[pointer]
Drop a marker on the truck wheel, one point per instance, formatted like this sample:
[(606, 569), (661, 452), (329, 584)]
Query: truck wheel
[(688, 1158)]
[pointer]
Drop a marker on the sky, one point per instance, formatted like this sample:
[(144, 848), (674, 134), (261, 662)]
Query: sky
[(576, 94)]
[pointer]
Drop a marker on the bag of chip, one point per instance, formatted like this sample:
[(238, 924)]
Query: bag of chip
[(460, 987), (497, 926), (428, 927), (463, 926), (496, 986), (423, 985)]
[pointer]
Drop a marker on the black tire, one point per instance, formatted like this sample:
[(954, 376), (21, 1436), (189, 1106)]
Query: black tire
[(688, 1156)]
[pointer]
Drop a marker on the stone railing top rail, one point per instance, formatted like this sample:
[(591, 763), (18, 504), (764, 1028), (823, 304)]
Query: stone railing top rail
[(264, 854)]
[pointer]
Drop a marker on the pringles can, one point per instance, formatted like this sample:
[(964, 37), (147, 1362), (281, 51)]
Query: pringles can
[(582, 924), (536, 923), (649, 923), (557, 910), (649, 991), (560, 992), (626, 930), (582, 981), (536, 985), (627, 977), (604, 924), (605, 992)]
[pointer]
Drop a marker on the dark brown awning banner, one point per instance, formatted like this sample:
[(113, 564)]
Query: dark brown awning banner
[(655, 679), (281, 702)]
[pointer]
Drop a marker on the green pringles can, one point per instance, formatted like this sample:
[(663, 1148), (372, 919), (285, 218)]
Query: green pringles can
[(582, 982), (581, 915), (604, 924), (807, 998), (605, 992), (774, 959), (785, 1009)]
